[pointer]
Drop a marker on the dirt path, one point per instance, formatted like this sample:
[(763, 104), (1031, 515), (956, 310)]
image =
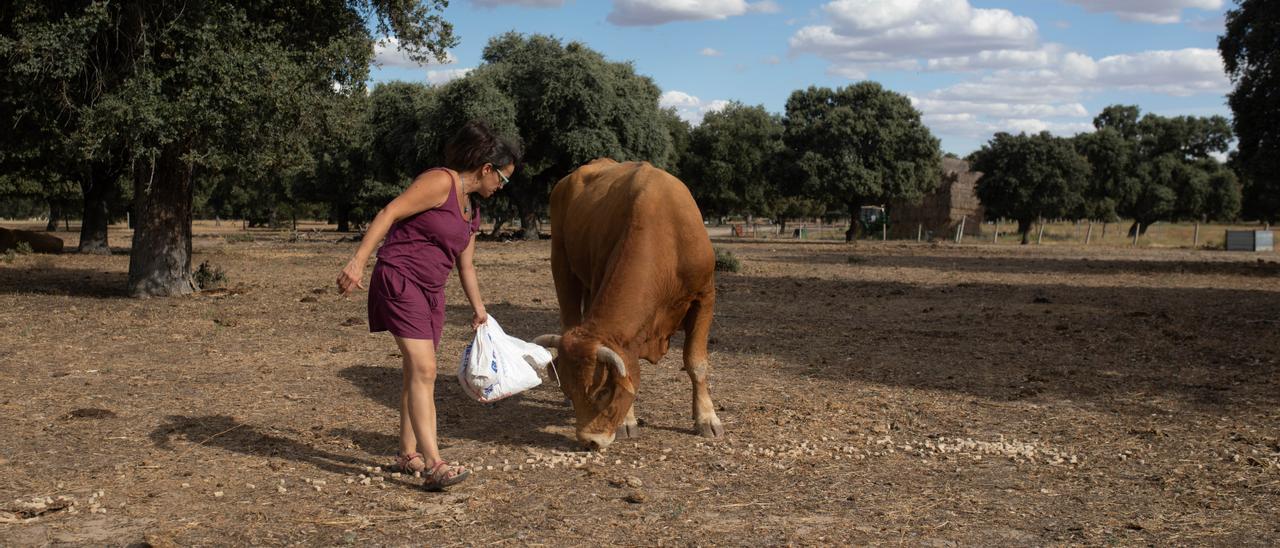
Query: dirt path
[(878, 393)]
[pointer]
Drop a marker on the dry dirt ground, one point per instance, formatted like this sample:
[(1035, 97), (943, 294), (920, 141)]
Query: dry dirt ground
[(879, 393)]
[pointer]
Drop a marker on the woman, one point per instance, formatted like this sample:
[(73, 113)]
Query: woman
[(429, 229)]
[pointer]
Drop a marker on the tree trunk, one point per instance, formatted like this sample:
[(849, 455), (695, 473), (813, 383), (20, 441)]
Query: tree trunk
[(55, 215), (344, 217), (530, 200), (852, 233), (529, 221), (160, 263), (497, 227), (1140, 228), (96, 187), (1024, 227), (782, 226)]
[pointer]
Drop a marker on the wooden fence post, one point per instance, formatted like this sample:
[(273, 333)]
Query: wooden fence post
[(1040, 235), (920, 232), (995, 238), (1088, 235), (884, 232), (960, 229), (1137, 229), (1195, 238)]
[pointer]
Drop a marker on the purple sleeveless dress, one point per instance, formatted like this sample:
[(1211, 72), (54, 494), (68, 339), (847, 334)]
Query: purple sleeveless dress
[(406, 291)]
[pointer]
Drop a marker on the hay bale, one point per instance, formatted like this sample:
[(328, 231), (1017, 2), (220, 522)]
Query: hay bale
[(39, 242)]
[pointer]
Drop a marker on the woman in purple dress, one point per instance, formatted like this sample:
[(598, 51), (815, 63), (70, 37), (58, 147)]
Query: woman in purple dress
[(429, 229)]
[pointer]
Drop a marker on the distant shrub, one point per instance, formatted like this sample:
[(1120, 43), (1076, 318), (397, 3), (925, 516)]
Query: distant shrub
[(23, 248), (239, 238), (8, 257), (726, 262), (209, 276)]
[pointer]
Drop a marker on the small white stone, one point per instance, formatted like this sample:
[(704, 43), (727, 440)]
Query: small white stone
[(217, 494), (186, 485)]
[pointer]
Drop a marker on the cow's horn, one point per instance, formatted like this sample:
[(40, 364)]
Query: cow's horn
[(604, 354), (547, 341)]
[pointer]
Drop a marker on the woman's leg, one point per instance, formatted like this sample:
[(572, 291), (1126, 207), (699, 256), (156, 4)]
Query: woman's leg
[(408, 441), (418, 409)]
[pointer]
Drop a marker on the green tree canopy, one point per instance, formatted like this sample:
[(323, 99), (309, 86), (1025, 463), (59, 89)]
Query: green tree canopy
[(1029, 177), (1158, 168), (1251, 54), (1113, 181), (856, 145), (571, 105), (188, 89), (729, 159)]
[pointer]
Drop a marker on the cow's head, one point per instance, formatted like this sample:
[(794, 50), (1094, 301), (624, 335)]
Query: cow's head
[(595, 379)]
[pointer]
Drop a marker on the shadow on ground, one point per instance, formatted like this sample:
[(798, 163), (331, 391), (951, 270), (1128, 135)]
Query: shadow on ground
[(1203, 347), (520, 419), (227, 433), (1265, 265), (53, 280)]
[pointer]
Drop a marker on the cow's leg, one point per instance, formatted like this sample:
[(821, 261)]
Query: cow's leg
[(697, 327), (629, 427)]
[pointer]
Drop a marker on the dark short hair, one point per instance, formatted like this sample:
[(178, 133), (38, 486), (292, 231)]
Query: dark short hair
[(476, 145)]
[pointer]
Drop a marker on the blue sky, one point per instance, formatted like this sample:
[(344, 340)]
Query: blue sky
[(972, 67)]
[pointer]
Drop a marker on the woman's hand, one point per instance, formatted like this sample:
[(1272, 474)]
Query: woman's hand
[(351, 276), (479, 318)]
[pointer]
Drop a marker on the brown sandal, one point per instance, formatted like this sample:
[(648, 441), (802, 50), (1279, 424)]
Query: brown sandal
[(443, 475), (403, 462)]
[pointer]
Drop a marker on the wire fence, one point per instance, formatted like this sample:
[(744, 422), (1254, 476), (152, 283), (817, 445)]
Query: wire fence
[(1084, 233)]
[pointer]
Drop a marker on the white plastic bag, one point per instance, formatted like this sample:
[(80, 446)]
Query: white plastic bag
[(496, 365)]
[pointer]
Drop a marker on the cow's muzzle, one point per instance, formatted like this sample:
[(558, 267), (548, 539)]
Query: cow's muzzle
[(595, 442)]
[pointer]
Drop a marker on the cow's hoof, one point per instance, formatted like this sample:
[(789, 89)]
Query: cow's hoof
[(710, 429), (627, 431)]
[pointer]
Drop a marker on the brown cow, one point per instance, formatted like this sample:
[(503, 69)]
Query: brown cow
[(632, 263)]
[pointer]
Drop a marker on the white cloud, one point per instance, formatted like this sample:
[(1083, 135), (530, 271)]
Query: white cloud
[(1180, 73), (437, 77), (944, 107), (1216, 24), (710, 52), (1148, 11), (764, 6), (525, 3), (997, 59), (690, 107), (1049, 98), (772, 60), (387, 53), (873, 31), (658, 12), (1018, 83)]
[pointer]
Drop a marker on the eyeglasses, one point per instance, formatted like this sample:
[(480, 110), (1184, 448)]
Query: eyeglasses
[(501, 178)]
